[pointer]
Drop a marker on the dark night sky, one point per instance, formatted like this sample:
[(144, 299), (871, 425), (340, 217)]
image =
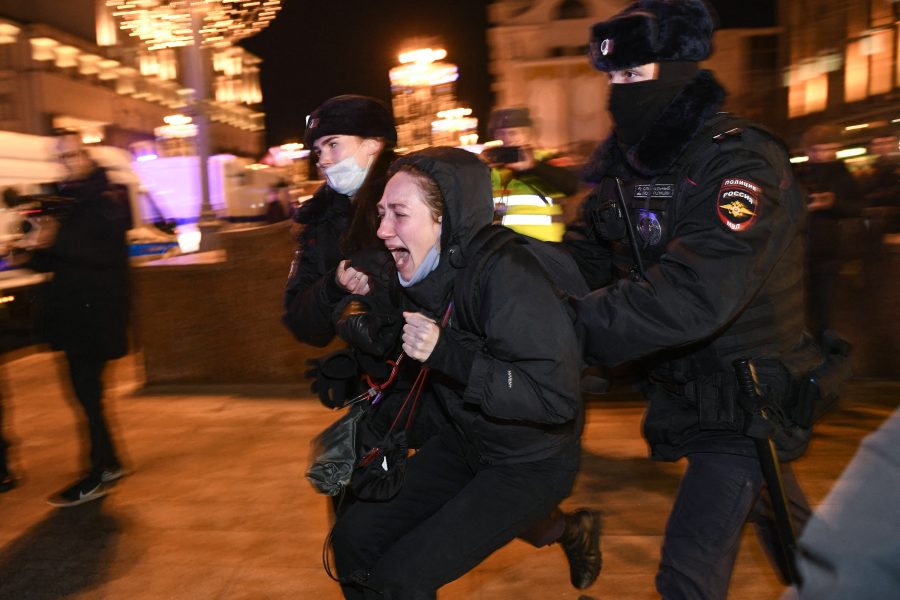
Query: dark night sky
[(316, 49)]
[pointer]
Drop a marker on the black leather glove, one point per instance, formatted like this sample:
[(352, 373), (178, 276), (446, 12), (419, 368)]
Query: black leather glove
[(368, 331), (336, 377)]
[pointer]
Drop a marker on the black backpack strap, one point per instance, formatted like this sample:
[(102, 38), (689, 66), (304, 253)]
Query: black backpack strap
[(465, 290)]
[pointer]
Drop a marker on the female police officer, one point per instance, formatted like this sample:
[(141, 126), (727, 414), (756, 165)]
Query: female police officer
[(353, 138), (703, 223)]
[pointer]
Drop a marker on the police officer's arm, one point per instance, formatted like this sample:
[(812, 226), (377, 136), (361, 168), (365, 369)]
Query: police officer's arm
[(527, 367), (559, 178), (594, 258), (721, 251), (310, 298)]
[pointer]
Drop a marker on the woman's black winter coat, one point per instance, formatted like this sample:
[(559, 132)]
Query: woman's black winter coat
[(509, 382)]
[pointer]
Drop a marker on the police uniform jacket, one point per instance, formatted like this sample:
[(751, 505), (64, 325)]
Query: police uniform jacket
[(717, 218), (507, 378), (311, 294)]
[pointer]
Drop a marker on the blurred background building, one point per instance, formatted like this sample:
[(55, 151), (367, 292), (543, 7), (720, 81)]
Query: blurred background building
[(68, 64), (539, 60), (840, 67), (822, 61)]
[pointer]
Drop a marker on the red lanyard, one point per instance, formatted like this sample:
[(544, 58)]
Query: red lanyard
[(376, 390)]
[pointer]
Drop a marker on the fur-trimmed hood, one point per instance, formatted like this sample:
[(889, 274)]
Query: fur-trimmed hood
[(663, 143)]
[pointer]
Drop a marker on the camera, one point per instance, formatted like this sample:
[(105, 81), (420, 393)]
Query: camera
[(34, 219), (37, 207), (503, 155)]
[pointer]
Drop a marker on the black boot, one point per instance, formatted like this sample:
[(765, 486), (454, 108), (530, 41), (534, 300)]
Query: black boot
[(581, 543)]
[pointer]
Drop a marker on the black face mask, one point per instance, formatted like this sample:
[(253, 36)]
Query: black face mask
[(635, 107)]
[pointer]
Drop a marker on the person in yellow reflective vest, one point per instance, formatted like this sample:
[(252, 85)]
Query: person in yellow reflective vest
[(526, 183)]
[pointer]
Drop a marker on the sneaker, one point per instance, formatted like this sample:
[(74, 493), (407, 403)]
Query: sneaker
[(581, 543), (85, 490), (111, 474), (7, 481)]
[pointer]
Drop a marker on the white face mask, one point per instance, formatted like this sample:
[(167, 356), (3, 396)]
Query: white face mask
[(346, 177)]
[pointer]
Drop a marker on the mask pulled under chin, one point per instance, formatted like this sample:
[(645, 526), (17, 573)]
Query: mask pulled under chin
[(429, 264), (346, 177)]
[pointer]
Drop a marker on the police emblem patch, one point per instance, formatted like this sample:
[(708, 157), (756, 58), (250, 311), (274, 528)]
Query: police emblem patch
[(649, 227), (738, 203)]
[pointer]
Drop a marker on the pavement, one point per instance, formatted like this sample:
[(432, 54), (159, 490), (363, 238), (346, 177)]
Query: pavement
[(215, 505)]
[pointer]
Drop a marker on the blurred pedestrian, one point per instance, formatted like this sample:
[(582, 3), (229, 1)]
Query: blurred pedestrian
[(510, 392), (880, 185), (86, 306), (832, 195), (697, 223), (277, 202), (524, 176), (527, 170), (7, 479)]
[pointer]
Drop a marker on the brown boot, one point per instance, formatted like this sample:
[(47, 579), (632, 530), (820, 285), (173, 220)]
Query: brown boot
[(581, 543)]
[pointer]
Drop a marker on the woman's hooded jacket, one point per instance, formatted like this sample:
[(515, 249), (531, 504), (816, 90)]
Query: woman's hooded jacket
[(511, 389)]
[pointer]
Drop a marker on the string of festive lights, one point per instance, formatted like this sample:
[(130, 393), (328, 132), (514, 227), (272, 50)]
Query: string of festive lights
[(168, 23)]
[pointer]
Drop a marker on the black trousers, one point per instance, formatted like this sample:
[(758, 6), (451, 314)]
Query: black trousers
[(446, 520), (718, 494), (86, 375)]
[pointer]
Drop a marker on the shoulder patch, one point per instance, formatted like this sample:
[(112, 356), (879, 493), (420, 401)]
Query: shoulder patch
[(738, 203)]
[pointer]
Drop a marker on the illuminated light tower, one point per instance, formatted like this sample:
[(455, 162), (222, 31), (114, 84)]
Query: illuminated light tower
[(454, 127), (421, 86), (200, 26)]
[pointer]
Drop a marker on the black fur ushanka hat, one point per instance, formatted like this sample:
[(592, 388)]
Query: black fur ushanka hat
[(650, 31), (351, 115), (504, 118)]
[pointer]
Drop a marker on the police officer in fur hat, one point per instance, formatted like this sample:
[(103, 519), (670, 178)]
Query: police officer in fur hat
[(338, 257), (695, 231), (353, 139)]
